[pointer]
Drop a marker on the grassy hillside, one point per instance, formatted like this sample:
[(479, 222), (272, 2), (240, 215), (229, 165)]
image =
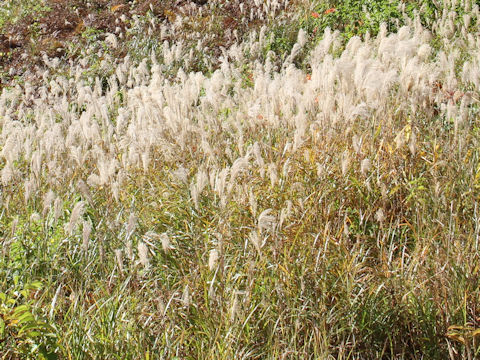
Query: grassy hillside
[(239, 180)]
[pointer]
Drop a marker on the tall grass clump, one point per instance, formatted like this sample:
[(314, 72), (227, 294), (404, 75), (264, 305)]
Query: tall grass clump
[(259, 211)]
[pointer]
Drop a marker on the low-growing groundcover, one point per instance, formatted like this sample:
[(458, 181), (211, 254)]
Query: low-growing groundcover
[(298, 181)]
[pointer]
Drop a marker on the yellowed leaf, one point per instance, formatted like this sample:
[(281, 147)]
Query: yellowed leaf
[(117, 7), (476, 332), (171, 16), (456, 337), (403, 136)]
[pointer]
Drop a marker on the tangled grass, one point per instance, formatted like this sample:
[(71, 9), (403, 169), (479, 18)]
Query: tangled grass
[(261, 211)]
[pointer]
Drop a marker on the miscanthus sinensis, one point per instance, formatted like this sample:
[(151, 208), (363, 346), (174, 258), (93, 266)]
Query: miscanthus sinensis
[(222, 138)]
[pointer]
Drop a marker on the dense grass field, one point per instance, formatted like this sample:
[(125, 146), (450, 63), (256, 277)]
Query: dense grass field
[(265, 179)]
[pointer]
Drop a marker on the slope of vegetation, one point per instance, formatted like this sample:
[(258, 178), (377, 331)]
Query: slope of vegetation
[(258, 180)]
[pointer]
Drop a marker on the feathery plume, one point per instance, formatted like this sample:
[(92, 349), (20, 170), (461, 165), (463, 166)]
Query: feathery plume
[(77, 212), (265, 220), (131, 225), (186, 297), (47, 201), (380, 215), (254, 238), (86, 231), (83, 188), (345, 162), (365, 166), (57, 208), (143, 254), (212, 259), (129, 250), (119, 260), (165, 241)]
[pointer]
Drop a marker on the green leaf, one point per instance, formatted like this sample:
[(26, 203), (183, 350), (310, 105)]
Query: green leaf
[(2, 328), (34, 285), (10, 302), (48, 354), (30, 329), (32, 334), (20, 310), (26, 317)]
